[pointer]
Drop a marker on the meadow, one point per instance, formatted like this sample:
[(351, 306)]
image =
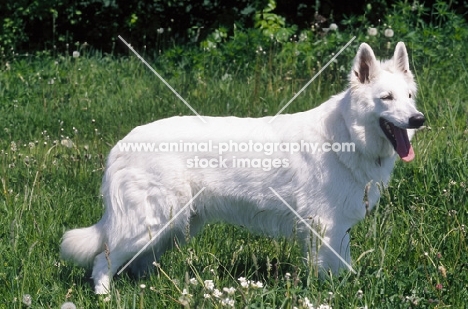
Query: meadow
[(60, 115)]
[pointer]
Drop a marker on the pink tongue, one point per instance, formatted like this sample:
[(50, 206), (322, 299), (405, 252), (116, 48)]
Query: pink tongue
[(404, 148)]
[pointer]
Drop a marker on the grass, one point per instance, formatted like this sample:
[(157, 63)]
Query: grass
[(61, 115)]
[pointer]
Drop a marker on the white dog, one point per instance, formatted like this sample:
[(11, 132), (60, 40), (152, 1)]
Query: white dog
[(323, 163)]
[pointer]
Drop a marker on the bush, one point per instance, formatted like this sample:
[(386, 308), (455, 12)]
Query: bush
[(31, 25)]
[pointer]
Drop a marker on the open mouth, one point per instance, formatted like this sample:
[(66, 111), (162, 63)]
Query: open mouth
[(399, 139)]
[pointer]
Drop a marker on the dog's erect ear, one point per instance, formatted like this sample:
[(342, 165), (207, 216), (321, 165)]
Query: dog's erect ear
[(400, 58), (365, 64)]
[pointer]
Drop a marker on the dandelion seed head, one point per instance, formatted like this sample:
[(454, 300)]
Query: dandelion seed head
[(67, 143), (68, 305), (388, 33), (372, 31)]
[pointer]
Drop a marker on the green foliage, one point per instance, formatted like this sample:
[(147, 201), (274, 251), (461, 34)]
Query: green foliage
[(30, 25)]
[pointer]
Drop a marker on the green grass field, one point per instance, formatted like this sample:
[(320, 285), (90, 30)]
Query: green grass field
[(60, 116)]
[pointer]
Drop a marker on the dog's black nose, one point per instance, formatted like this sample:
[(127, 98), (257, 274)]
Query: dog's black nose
[(416, 121)]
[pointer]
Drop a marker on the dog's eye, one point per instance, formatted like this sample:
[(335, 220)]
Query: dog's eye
[(387, 97), (409, 95)]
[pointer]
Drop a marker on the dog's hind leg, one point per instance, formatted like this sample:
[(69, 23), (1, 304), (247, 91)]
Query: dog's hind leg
[(165, 241), (106, 265)]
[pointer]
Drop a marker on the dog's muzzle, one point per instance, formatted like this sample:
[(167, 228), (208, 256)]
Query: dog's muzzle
[(398, 136)]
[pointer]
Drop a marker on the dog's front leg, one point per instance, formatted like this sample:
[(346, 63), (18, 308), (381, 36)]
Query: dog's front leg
[(334, 255), (327, 251)]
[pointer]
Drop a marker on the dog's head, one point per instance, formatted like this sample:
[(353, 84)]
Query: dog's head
[(386, 91)]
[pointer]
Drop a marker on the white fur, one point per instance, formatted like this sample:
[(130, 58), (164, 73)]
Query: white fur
[(143, 190)]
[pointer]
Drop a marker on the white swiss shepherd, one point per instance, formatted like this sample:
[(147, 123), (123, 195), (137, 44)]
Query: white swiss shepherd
[(143, 190)]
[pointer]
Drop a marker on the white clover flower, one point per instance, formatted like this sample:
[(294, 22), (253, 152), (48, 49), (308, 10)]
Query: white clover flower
[(227, 302), (388, 33), (209, 285), (186, 293), (142, 286), (160, 30), (217, 293), (307, 304), (27, 300), (193, 281), (359, 294), (244, 282), (333, 27), (229, 291), (372, 31), (206, 296), (256, 285), (76, 54), (302, 37), (68, 305)]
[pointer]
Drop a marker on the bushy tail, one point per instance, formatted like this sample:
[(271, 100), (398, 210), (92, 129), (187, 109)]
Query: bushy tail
[(82, 245)]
